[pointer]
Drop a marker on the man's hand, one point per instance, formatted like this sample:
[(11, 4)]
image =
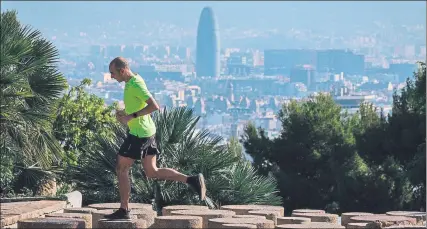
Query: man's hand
[(122, 117), (125, 119)]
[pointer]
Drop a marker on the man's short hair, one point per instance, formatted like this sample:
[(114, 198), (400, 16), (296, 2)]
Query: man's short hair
[(119, 63)]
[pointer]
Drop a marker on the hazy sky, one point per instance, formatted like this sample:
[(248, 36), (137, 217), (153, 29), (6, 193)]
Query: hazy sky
[(284, 14)]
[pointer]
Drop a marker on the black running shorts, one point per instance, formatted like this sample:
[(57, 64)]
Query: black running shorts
[(137, 148)]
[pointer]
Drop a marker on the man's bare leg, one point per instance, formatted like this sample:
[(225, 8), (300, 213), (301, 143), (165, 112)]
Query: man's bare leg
[(151, 170), (122, 170)]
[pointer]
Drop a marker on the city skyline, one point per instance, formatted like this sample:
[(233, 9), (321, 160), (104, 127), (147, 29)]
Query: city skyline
[(256, 67)]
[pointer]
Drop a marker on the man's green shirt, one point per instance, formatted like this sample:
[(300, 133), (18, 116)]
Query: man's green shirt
[(135, 97)]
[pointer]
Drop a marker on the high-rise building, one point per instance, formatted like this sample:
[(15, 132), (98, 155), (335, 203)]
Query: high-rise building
[(207, 53), (281, 61), (304, 74)]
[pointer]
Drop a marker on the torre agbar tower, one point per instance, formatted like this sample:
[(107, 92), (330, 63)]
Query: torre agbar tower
[(207, 49)]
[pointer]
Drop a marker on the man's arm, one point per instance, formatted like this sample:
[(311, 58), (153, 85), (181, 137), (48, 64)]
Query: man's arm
[(150, 108)]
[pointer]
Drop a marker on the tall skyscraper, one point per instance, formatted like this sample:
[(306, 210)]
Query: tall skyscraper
[(207, 53)]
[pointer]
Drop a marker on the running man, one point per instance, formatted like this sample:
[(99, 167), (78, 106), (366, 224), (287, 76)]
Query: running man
[(140, 142)]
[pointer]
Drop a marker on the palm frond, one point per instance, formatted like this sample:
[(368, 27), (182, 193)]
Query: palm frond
[(31, 176), (29, 88)]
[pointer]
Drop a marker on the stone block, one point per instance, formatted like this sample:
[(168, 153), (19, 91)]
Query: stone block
[(74, 199), (244, 209), (248, 226), (383, 220), (79, 210), (122, 223), (259, 223), (178, 221), (116, 206), (308, 211), (168, 209), (52, 223), (356, 225), (318, 217), (99, 214), (87, 217), (13, 211), (145, 214), (249, 216), (292, 220), (268, 214), (345, 217), (406, 227), (205, 214), (315, 225), (419, 216)]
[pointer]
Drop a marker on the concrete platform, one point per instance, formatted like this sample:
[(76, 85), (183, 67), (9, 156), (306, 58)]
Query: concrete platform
[(168, 209), (14, 211), (312, 225), (244, 209), (103, 206), (52, 223)]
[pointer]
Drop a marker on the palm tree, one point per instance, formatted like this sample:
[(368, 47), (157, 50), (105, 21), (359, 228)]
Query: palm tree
[(229, 178), (30, 86)]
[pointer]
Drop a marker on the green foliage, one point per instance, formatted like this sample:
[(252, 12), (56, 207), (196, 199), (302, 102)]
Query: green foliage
[(29, 88), (325, 158), (79, 117), (183, 148), (6, 172), (407, 133), (235, 147), (100, 158), (255, 140), (313, 137)]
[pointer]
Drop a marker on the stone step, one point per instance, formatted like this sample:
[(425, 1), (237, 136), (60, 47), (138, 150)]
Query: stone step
[(312, 225), (268, 214), (52, 223), (419, 216), (145, 214), (205, 214), (178, 221), (356, 225), (259, 223), (319, 217), (79, 210), (345, 217), (122, 224), (309, 211), (292, 220), (99, 214), (85, 216), (249, 216), (14, 211), (248, 226), (168, 209), (244, 209), (384, 220), (406, 227), (102, 206)]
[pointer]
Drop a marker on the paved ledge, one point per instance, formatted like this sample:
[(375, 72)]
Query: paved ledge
[(13, 211), (32, 198)]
